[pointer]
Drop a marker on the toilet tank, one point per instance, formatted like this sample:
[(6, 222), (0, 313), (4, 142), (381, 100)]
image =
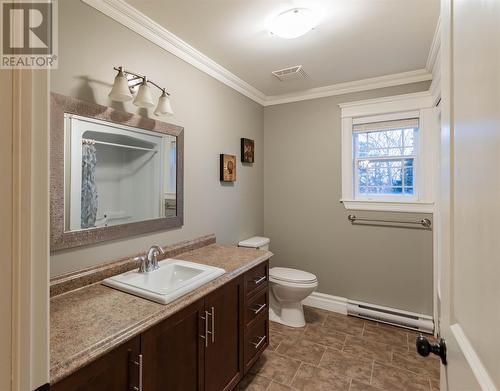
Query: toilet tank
[(256, 242)]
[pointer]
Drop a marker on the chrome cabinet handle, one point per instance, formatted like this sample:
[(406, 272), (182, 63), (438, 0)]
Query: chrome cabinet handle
[(207, 331), (261, 341), (259, 308), (213, 324), (259, 280), (139, 364), (205, 337)]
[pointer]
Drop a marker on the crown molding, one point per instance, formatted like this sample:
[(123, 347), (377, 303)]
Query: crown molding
[(352, 86), (433, 64), (432, 58), (130, 17), (136, 21)]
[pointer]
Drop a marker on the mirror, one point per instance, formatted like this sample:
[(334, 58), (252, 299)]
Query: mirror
[(116, 174), (113, 174)]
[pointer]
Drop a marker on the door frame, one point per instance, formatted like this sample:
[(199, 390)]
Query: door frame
[(25, 230)]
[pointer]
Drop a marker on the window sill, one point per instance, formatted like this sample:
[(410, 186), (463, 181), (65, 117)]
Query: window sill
[(389, 206)]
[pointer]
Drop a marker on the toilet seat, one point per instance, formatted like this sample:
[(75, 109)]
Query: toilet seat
[(291, 276)]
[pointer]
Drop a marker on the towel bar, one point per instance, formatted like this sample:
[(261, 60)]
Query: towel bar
[(426, 223)]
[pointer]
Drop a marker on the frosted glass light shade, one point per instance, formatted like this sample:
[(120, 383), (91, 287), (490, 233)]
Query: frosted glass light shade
[(164, 107), (144, 98), (294, 23), (120, 91)]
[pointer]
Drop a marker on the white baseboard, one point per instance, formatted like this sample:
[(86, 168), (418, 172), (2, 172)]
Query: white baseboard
[(475, 363), (327, 302)]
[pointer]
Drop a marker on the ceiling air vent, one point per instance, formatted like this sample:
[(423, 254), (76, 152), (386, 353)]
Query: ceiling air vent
[(296, 72)]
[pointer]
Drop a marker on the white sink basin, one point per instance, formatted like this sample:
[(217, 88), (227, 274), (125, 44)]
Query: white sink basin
[(172, 280)]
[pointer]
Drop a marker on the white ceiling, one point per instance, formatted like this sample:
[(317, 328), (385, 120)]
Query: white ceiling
[(356, 39)]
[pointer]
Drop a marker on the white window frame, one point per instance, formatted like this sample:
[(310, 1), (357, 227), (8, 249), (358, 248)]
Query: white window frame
[(418, 105)]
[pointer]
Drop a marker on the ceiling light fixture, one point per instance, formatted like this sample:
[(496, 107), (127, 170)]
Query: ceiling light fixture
[(293, 23), (126, 80)]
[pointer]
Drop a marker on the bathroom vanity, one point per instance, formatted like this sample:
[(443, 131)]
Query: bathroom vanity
[(105, 339)]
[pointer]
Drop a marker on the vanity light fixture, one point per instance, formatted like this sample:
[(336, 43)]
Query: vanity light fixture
[(120, 91), (293, 23), (144, 98), (164, 107), (123, 86)]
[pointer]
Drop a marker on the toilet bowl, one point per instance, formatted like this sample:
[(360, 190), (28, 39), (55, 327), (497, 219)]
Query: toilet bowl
[(288, 288)]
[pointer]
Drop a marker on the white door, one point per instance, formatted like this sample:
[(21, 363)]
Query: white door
[(469, 205)]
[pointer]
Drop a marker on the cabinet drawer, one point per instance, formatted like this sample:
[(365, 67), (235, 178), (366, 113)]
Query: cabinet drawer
[(256, 341), (256, 307), (256, 278)]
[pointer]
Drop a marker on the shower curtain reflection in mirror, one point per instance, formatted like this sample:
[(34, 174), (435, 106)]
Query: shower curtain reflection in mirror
[(89, 188)]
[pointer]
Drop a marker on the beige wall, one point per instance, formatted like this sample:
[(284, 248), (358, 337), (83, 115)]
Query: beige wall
[(308, 225), (215, 117)]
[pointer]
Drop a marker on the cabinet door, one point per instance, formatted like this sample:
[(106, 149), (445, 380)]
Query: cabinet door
[(117, 370), (173, 352), (224, 353)]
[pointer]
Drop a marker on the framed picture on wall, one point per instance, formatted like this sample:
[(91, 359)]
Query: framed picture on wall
[(247, 150), (227, 168)]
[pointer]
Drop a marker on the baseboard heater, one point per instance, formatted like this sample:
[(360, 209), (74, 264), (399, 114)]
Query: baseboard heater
[(391, 316)]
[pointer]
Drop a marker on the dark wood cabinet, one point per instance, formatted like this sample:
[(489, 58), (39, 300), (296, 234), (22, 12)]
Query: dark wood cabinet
[(118, 370), (207, 346), (173, 352), (224, 353), (256, 279), (256, 341), (183, 353), (256, 308)]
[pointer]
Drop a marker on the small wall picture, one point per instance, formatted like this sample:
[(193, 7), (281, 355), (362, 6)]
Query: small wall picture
[(227, 168), (247, 150)]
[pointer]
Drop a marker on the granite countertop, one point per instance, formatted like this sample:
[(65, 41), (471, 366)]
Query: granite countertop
[(89, 322)]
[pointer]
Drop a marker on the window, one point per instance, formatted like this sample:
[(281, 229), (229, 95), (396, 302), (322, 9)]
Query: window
[(390, 153), (385, 158)]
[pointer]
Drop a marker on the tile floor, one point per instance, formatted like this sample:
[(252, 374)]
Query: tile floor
[(335, 352)]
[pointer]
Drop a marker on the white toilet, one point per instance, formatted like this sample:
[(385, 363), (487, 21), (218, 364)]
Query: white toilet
[(288, 287)]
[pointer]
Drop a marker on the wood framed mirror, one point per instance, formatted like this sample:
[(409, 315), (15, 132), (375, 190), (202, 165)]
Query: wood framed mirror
[(113, 174)]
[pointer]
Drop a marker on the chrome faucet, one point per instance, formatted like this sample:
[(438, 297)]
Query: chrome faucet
[(149, 262), (152, 256)]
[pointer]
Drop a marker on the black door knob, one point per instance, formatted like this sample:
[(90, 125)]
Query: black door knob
[(424, 347)]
